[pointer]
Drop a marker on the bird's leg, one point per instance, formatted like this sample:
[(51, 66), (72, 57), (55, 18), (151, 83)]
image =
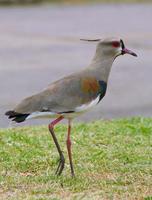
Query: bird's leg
[(62, 159), (69, 148)]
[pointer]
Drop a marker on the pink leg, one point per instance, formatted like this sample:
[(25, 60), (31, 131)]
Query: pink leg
[(69, 148), (62, 160)]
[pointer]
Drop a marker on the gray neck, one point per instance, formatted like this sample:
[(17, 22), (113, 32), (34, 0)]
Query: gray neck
[(100, 66)]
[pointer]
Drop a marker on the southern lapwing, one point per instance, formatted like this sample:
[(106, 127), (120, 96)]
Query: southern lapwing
[(72, 95)]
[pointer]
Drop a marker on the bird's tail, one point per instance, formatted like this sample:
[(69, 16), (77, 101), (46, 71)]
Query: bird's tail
[(17, 117)]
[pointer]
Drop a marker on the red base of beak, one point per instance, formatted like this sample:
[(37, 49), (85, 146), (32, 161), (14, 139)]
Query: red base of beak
[(127, 51)]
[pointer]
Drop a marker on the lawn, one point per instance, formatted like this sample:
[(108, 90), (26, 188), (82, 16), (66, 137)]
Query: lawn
[(112, 159)]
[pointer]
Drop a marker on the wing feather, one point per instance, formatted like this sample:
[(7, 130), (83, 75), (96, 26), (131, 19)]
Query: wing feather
[(62, 96)]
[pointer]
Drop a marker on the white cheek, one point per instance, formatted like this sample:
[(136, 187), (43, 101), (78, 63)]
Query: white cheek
[(118, 51)]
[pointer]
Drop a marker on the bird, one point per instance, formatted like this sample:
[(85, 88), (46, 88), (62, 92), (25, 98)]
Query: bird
[(73, 95)]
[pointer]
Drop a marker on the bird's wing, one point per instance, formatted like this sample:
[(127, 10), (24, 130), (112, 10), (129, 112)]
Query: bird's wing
[(64, 95)]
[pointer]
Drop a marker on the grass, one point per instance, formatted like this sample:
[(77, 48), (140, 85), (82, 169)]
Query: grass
[(113, 160)]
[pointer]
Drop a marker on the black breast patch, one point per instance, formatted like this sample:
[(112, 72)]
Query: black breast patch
[(103, 89)]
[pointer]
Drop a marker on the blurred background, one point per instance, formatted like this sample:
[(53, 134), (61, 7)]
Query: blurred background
[(39, 43)]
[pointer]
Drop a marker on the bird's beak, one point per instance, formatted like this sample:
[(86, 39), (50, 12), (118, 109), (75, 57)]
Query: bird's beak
[(125, 50)]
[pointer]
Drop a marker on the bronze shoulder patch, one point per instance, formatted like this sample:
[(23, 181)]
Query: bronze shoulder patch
[(90, 85)]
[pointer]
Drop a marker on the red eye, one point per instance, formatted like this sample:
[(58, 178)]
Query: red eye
[(116, 44)]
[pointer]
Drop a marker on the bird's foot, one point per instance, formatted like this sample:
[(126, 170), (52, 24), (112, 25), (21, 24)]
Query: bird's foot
[(60, 166), (73, 174)]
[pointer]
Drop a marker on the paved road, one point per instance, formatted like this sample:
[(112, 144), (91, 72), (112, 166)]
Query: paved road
[(41, 44)]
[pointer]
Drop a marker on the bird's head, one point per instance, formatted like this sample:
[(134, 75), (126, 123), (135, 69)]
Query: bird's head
[(111, 47)]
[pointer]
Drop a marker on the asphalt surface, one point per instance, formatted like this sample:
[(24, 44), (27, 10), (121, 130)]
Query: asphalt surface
[(40, 44)]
